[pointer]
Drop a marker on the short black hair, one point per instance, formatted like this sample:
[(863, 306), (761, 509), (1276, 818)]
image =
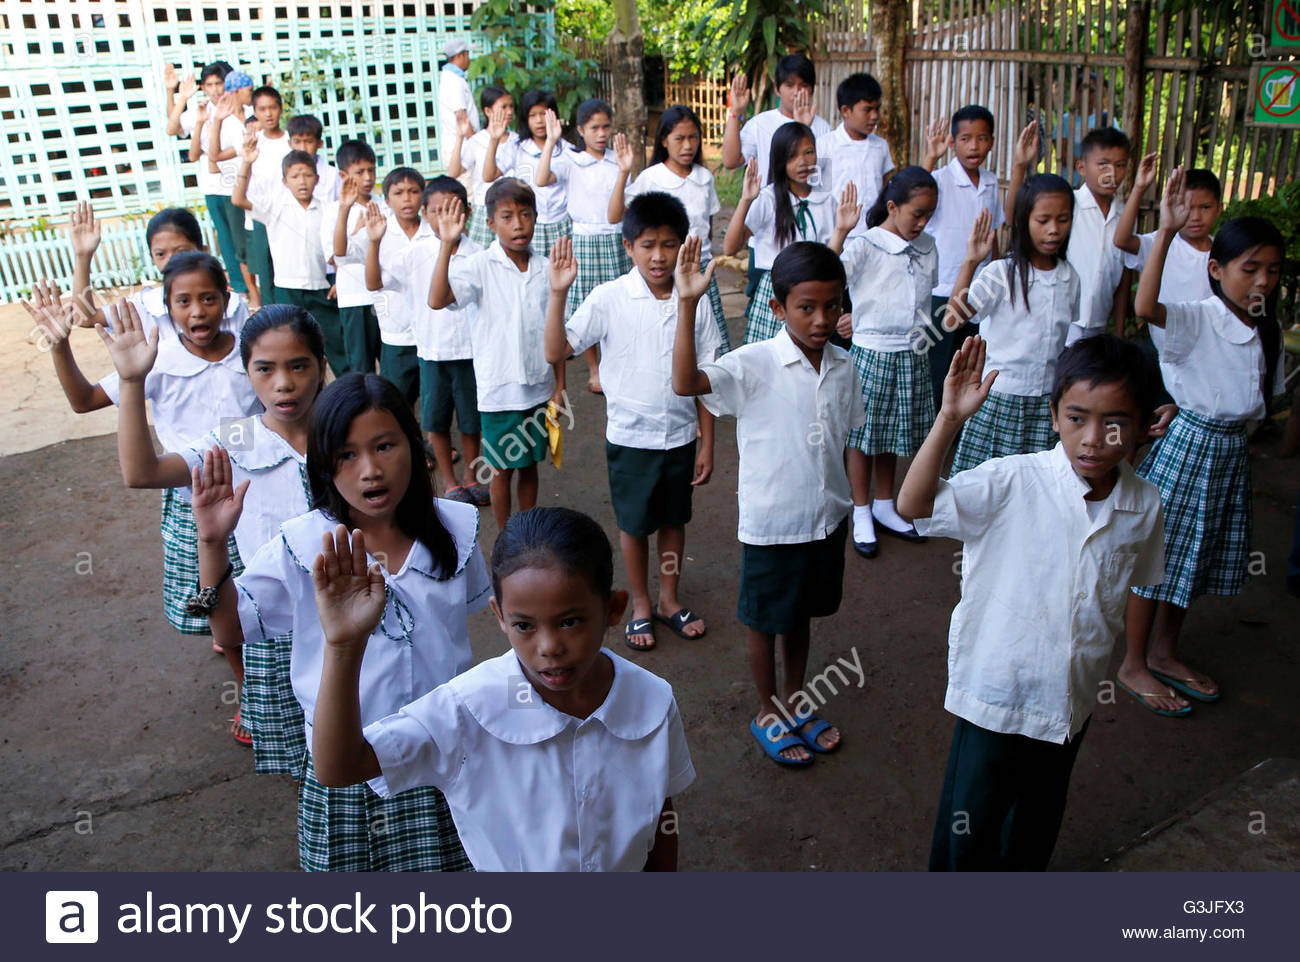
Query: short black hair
[(654, 209), (796, 65), (400, 175), (971, 112), (805, 261), (305, 125), (1103, 138), (855, 88), (509, 188), (1107, 359), (297, 157), (554, 537), (218, 68), (1198, 178), (442, 184), (266, 91), (351, 152)]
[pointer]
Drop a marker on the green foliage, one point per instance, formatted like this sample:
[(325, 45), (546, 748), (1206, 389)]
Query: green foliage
[(756, 34), (728, 184), (526, 53), (302, 84), (1282, 209), (669, 28)]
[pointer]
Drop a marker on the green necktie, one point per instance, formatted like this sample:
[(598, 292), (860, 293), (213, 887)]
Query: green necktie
[(803, 219)]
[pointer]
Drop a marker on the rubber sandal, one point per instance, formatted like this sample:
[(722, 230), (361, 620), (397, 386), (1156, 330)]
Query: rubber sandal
[(459, 493), (641, 626), (1181, 686), (480, 492), (237, 726), (678, 621), (809, 738), (773, 749), (1141, 699)]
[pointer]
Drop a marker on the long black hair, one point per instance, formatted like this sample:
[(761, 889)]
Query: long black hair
[(188, 262), (534, 98), (1233, 239), (274, 316), (336, 408), (899, 191), (673, 116), (1020, 247), (177, 220), (785, 144), (547, 537), (586, 110)]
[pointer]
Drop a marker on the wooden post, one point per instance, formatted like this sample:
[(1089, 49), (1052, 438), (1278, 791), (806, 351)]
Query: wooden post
[(889, 34), (626, 49), (1135, 49)]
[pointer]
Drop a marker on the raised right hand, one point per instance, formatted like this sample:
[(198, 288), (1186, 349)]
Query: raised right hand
[(449, 219), (963, 390), (738, 101), (1146, 172), (216, 502), (1175, 207), (47, 309), (1026, 150), (564, 268), (554, 127), (83, 230), (687, 278), (750, 187), (133, 352)]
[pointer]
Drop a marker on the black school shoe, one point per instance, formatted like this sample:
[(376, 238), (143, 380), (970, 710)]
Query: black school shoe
[(909, 535), (868, 549)]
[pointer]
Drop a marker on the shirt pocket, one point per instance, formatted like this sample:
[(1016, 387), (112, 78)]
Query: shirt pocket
[(1114, 574)]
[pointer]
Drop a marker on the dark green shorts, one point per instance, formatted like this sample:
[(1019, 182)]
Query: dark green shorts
[(783, 584), (447, 387), (400, 364), (650, 489), (359, 337), (514, 439)]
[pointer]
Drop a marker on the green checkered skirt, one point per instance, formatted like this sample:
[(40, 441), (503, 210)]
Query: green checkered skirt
[(899, 399), (269, 709), (600, 258), (354, 830), (1202, 468), (180, 541), (760, 322), (545, 236), (477, 227), (1006, 424), (715, 302)]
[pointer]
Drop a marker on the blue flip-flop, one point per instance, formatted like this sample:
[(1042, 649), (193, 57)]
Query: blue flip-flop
[(773, 749), (1141, 699), (809, 738), (1180, 685)]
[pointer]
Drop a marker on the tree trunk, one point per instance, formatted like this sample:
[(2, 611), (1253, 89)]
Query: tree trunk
[(889, 34), (1135, 48), (625, 47)]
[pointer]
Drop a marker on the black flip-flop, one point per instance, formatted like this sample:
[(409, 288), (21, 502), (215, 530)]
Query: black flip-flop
[(678, 621), (641, 626)]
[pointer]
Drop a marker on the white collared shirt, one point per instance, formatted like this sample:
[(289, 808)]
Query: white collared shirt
[(221, 183), (695, 191), (266, 173), (189, 395), (453, 95), (153, 313), (277, 476), (394, 313), (1024, 340), (1186, 276), (890, 280), (635, 331), (864, 163), (1096, 259), (422, 640), (328, 181), (349, 268), (442, 335), (519, 159), (761, 221), (791, 426), (960, 202), (292, 233), (472, 153), (756, 138), (588, 183), (1212, 363), (510, 366), (1044, 588), (530, 788)]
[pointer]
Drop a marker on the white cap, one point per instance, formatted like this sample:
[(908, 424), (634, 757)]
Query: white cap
[(454, 46)]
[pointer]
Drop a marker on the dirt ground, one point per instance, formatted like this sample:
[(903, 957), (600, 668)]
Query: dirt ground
[(114, 727)]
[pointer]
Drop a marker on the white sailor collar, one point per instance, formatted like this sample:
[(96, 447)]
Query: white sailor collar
[(584, 158), (173, 358), (1228, 326), (253, 446), (891, 243)]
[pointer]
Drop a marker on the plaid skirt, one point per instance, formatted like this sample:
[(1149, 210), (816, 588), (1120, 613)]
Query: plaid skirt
[(354, 830), (181, 563), (897, 395), (1202, 468), (545, 236), (715, 302), (760, 322), (600, 258), (477, 227), (1006, 424), (270, 711)]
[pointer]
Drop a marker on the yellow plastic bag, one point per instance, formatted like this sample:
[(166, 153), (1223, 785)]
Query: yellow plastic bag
[(554, 439)]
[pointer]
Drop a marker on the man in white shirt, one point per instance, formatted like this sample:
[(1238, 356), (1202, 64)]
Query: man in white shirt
[(455, 100), (1052, 543)]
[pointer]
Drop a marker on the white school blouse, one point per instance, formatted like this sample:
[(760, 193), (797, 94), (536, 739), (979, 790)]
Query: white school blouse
[(442, 335), (350, 267), (153, 313), (1212, 363), (393, 310), (422, 640), (864, 163), (635, 331), (510, 366), (588, 183), (756, 138), (519, 158), (530, 788), (1044, 588), (791, 426), (1024, 341), (291, 233), (188, 394), (1096, 259), (890, 280), (1186, 276), (695, 191), (761, 221), (960, 202)]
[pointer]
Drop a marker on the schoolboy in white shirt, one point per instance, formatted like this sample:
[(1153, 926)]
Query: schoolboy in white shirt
[(266, 175), (853, 151), (795, 398), (650, 448), (1025, 666), (306, 133)]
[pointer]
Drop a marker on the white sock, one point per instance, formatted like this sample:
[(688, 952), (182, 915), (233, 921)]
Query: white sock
[(864, 528), (883, 511)]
